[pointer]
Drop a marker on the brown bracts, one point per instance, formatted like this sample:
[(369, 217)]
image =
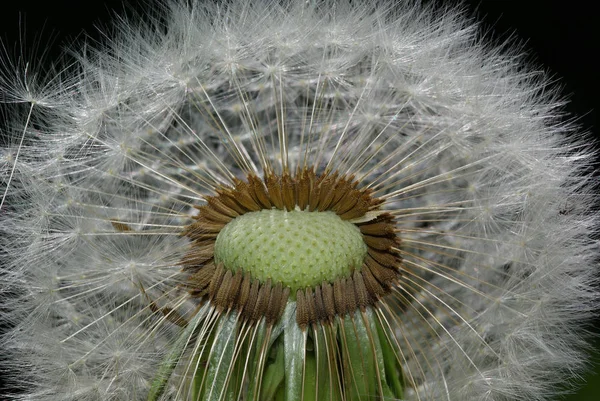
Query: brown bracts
[(254, 299)]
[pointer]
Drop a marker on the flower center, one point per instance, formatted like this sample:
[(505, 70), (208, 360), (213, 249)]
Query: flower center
[(297, 248), (320, 240)]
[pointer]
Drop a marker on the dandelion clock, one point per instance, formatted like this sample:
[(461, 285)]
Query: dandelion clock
[(259, 200)]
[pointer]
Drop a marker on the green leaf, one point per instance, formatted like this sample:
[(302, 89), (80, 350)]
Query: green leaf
[(393, 370), (309, 381), (274, 374), (357, 364), (220, 363), (167, 366)]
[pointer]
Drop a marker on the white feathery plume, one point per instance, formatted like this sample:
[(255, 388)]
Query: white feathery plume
[(105, 163)]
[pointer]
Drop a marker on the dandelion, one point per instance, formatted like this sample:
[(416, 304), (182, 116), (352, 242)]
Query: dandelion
[(263, 200)]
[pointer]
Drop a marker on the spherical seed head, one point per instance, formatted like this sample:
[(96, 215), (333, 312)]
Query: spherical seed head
[(296, 248), (230, 102)]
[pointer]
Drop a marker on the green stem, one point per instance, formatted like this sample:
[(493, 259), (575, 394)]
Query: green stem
[(294, 343)]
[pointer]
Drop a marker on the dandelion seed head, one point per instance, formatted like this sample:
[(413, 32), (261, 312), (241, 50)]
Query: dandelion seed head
[(431, 172)]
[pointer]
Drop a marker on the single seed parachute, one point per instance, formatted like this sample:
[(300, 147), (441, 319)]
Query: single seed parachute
[(260, 200)]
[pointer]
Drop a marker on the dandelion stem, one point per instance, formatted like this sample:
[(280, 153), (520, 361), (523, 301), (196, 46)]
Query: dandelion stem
[(294, 342)]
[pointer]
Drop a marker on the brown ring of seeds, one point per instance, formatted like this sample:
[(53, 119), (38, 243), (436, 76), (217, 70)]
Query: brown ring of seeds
[(255, 300)]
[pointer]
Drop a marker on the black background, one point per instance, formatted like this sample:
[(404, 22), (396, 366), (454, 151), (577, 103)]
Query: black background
[(559, 37)]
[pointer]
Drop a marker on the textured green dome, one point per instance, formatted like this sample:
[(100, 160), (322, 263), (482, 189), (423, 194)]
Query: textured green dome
[(297, 248)]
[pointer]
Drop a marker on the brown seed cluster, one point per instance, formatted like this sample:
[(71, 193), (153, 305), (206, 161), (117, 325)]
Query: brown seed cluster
[(255, 300)]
